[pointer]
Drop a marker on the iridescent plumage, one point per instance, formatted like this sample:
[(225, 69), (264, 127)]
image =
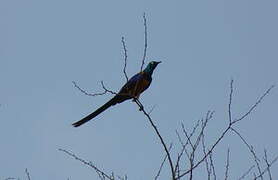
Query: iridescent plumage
[(132, 89)]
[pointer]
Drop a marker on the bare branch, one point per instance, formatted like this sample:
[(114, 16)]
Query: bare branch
[(268, 165), (177, 166), (93, 94), (208, 169), (159, 136), (212, 166), (125, 58), (227, 164), (251, 149), (146, 41), (98, 171), (255, 105), (266, 169), (246, 173), (209, 165), (162, 163), (27, 174), (220, 138), (107, 90), (230, 101)]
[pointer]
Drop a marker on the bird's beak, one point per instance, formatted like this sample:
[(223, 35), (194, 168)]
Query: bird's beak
[(158, 62)]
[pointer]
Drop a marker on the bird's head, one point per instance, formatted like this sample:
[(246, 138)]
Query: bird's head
[(151, 66)]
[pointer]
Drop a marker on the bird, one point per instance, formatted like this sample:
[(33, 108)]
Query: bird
[(131, 90)]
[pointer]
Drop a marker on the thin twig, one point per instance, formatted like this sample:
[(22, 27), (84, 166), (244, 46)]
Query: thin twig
[(225, 132), (125, 58), (27, 174), (251, 149), (145, 41), (177, 166), (93, 94), (162, 163), (255, 105), (268, 166), (107, 90), (230, 101), (212, 166), (87, 163), (266, 169), (227, 164), (206, 160), (246, 173)]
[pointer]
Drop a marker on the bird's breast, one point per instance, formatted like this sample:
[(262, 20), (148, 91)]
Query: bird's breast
[(141, 86)]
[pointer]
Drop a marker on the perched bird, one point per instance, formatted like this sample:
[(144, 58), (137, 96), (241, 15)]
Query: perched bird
[(132, 89)]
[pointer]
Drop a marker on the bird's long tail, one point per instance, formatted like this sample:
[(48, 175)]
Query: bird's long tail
[(112, 101)]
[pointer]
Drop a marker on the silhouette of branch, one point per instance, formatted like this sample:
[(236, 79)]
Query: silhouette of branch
[(246, 173), (162, 163), (230, 101), (208, 166), (255, 105), (267, 168), (251, 149), (231, 123), (125, 58), (27, 174), (212, 166), (93, 94), (141, 108), (145, 41), (101, 174), (268, 165), (227, 164)]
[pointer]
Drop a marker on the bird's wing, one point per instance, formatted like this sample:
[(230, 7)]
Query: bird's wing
[(136, 85)]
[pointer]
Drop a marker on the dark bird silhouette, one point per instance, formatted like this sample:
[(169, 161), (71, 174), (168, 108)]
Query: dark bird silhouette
[(132, 89)]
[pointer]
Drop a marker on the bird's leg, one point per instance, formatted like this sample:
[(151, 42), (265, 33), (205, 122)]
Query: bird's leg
[(139, 104), (135, 97)]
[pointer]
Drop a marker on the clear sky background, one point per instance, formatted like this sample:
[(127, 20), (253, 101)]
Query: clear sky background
[(45, 45)]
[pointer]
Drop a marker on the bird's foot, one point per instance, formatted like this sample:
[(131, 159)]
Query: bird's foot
[(141, 108), (135, 98)]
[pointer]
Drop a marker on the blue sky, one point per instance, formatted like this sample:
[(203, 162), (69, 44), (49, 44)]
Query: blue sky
[(45, 45)]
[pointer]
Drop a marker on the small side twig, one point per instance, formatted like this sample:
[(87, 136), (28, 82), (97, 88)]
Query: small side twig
[(268, 165), (251, 149), (246, 173), (98, 171), (227, 164), (255, 105), (125, 58), (208, 167), (266, 169), (230, 101), (145, 41), (162, 164), (27, 174), (212, 166), (93, 94)]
